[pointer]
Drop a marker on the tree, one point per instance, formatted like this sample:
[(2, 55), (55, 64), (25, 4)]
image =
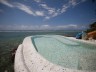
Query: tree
[(92, 27)]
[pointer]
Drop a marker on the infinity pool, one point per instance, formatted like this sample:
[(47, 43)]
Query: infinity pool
[(66, 52)]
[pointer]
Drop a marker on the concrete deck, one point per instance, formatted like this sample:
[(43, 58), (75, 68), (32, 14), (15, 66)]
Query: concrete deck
[(27, 59)]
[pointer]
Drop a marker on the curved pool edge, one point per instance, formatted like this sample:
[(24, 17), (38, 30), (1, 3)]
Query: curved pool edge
[(27, 59), (84, 41), (19, 64)]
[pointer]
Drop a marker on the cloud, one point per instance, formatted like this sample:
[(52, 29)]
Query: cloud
[(20, 6), (42, 27), (45, 27), (64, 8), (47, 17), (5, 2), (51, 12), (37, 1), (45, 6), (70, 4), (69, 26), (39, 13), (24, 8), (49, 9), (18, 27), (46, 11), (75, 2)]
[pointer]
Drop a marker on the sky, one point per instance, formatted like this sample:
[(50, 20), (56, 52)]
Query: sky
[(46, 14)]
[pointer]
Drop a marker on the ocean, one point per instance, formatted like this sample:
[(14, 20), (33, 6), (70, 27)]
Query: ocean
[(11, 39)]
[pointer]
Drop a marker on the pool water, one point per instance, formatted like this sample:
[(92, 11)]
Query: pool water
[(66, 52)]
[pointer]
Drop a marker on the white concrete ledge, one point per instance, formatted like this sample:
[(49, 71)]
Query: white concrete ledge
[(27, 59), (93, 42), (19, 61)]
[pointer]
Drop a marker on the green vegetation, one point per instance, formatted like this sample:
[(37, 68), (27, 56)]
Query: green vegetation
[(92, 27)]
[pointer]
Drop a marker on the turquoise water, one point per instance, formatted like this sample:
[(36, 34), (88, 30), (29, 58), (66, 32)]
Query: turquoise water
[(66, 52)]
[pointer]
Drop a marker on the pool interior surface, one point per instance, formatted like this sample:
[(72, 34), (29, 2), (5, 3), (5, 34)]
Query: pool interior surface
[(66, 52)]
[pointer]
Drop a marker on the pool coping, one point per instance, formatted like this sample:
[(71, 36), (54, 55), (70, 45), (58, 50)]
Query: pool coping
[(27, 59), (93, 42)]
